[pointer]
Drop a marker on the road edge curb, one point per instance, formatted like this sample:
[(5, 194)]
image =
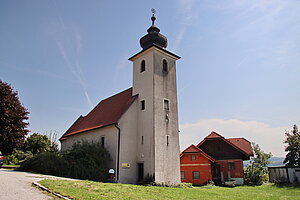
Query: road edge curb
[(49, 191)]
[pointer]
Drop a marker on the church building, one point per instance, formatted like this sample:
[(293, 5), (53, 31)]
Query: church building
[(139, 126)]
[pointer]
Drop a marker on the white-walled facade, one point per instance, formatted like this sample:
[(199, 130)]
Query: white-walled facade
[(144, 140)]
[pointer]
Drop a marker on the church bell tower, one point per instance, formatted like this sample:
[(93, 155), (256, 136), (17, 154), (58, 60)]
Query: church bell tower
[(154, 83)]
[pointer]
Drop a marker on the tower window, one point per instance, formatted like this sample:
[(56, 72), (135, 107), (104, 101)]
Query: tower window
[(143, 66), (143, 105), (167, 140), (142, 140), (166, 105), (165, 66), (102, 141)]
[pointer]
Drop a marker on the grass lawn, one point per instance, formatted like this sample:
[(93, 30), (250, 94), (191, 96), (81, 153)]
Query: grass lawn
[(96, 190)]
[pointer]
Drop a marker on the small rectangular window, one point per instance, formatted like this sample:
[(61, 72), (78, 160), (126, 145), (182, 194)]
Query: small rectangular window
[(193, 157), (142, 140), (167, 140), (143, 105), (165, 66), (102, 141), (182, 175), (166, 105), (143, 66), (196, 175), (231, 166)]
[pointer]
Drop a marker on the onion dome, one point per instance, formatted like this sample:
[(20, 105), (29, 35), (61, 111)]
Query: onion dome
[(153, 37)]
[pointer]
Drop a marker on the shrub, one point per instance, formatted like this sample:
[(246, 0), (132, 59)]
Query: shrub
[(88, 161), (46, 163), (17, 157), (10, 160), (21, 155), (82, 161), (148, 180)]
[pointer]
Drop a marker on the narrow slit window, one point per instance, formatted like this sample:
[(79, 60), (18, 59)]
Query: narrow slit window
[(142, 140), (102, 141), (143, 105), (167, 140), (143, 65), (165, 66), (166, 105)]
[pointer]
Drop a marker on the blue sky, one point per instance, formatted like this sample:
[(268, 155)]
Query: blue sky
[(239, 72)]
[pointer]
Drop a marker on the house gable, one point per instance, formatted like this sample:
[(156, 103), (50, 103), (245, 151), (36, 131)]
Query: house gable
[(220, 148), (194, 160)]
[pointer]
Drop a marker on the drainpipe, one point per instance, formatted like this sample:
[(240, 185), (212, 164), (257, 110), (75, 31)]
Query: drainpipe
[(118, 150)]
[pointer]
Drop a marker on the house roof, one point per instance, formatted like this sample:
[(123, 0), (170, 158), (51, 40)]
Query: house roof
[(214, 135), (193, 149), (241, 144), (107, 112)]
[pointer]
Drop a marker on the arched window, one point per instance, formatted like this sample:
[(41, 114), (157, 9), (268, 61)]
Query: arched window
[(143, 66), (165, 66)]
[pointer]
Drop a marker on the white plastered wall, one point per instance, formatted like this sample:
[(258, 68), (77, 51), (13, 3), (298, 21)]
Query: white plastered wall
[(167, 161), (128, 145), (143, 86), (110, 133)]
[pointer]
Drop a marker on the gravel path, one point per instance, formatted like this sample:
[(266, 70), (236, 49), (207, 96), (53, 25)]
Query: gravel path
[(16, 185)]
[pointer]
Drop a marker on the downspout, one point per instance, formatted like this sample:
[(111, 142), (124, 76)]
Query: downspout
[(118, 150)]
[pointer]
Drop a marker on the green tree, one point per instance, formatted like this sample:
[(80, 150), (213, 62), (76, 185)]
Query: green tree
[(256, 172), (292, 158), (38, 143), (13, 116)]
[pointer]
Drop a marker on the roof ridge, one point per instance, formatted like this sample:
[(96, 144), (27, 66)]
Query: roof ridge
[(238, 138), (116, 94)]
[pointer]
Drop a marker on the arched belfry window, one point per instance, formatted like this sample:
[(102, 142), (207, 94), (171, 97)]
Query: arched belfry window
[(143, 66), (165, 66)]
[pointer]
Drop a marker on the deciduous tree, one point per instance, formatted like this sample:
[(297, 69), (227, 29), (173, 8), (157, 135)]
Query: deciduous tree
[(38, 143), (13, 119), (256, 172)]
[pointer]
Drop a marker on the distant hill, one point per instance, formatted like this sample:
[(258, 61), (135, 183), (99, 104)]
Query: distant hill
[(274, 161)]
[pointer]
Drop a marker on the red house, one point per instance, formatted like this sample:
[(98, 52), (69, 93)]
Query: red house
[(215, 158), (194, 161)]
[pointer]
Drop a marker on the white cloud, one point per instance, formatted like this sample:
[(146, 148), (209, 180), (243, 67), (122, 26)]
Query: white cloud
[(270, 139)]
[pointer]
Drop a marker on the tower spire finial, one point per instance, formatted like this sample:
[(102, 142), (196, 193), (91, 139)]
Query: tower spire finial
[(153, 18), (153, 37)]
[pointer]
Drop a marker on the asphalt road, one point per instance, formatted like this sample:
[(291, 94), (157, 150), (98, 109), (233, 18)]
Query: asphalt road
[(16, 185)]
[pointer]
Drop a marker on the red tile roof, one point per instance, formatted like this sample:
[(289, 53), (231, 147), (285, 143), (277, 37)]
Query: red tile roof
[(241, 144), (107, 112), (214, 135), (193, 149)]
